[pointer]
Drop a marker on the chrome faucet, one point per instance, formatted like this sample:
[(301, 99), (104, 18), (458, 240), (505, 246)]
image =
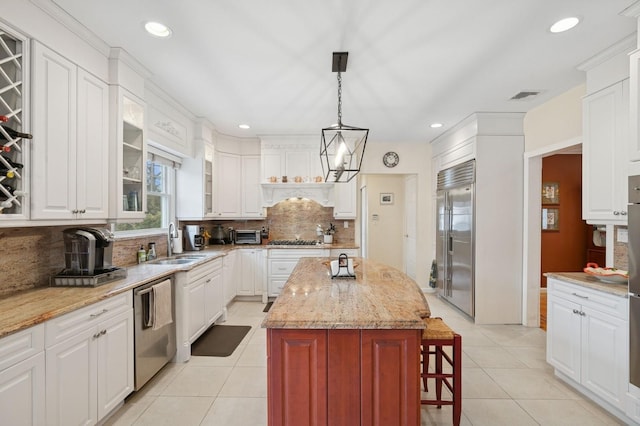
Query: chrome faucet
[(172, 234)]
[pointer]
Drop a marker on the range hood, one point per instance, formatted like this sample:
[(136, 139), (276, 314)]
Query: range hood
[(321, 193)]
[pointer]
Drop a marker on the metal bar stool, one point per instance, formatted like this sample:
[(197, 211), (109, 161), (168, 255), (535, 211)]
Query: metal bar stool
[(434, 338)]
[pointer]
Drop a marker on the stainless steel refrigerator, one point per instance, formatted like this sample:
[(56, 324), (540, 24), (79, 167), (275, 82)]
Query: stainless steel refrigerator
[(455, 236), (634, 280)]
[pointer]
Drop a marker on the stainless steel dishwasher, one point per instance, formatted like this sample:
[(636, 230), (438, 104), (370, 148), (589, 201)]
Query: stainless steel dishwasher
[(153, 347)]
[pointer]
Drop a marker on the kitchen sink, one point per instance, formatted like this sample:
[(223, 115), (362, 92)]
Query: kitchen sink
[(191, 256), (173, 261)]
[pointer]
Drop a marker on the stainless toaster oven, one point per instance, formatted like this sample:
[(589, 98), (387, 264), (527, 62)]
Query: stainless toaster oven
[(248, 236)]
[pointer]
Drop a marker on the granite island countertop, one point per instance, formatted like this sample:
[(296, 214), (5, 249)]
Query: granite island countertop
[(586, 280), (380, 297)]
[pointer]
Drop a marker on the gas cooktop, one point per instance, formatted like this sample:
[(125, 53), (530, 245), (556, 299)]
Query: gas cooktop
[(293, 242)]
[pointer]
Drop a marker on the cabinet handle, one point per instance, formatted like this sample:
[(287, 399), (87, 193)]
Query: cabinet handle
[(209, 280), (74, 211), (104, 311), (616, 213), (575, 311), (582, 314), (83, 211), (100, 333), (623, 213), (581, 297)]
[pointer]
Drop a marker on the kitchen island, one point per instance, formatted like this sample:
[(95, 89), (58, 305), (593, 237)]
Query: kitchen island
[(345, 350)]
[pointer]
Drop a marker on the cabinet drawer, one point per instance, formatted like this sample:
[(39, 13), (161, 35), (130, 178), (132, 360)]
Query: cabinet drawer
[(61, 328), (603, 302), (349, 252), (202, 270), (21, 345), (276, 285), (296, 253), (282, 266)]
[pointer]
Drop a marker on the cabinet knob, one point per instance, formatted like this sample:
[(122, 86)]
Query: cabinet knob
[(74, 211), (623, 213), (616, 213)]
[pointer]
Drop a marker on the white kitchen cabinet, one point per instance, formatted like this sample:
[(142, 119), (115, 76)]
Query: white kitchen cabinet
[(281, 262), (22, 377), (237, 186), (587, 340), (199, 303), (70, 166), (345, 200), (194, 198), (128, 156), (634, 111), (605, 155), (251, 272), (228, 185), (230, 274), (251, 191), (89, 365), (290, 156)]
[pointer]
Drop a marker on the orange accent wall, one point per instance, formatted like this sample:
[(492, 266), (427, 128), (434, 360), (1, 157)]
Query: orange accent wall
[(565, 250)]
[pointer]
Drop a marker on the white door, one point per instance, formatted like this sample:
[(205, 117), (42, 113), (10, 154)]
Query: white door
[(364, 221), (563, 336), (92, 147), (22, 396), (71, 381), (604, 356), (53, 173), (115, 362), (410, 212)]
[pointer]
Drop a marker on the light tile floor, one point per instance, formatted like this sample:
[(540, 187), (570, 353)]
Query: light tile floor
[(506, 381)]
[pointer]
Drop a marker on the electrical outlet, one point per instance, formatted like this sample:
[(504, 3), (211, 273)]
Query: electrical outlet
[(346, 224), (623, 235)]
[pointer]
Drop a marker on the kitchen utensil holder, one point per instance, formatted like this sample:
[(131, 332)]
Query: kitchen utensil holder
[(343, 268)]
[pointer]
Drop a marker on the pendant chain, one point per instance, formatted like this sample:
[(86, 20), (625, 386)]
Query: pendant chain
[(339, 99)]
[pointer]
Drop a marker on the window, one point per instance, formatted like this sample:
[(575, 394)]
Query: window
[(160, 197)]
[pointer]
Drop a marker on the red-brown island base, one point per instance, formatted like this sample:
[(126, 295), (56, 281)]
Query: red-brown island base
[(345, 352)]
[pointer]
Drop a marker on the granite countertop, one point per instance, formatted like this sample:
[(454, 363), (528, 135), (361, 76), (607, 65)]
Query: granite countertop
[(586, 280), (28, 308), (380, 297)]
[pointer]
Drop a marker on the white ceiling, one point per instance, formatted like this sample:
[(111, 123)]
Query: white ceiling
[(411, 62)]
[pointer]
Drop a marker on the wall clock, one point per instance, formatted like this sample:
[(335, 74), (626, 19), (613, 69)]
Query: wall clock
[(390, 159)]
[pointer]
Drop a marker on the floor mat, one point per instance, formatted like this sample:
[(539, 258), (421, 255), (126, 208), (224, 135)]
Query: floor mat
[(219, 340)]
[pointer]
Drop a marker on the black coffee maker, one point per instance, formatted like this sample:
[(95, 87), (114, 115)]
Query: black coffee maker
[(87, 251)]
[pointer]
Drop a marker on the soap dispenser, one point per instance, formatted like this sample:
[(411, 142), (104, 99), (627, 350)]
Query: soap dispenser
[(142, 255)]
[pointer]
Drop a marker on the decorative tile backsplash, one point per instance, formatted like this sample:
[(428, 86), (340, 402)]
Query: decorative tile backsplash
[(620, 251), (30, 256)]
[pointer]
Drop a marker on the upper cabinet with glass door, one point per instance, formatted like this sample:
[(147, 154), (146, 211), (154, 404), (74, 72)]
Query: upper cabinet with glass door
[(129, 153), (195, 184)]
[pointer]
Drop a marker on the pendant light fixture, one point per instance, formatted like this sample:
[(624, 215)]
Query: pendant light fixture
[(342, 146)]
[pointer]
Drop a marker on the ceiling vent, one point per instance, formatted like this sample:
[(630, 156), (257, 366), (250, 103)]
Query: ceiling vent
[(525, 95)]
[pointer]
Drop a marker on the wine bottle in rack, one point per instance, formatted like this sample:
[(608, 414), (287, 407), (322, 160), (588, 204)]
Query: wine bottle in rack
[(14, 134), (12, 163)]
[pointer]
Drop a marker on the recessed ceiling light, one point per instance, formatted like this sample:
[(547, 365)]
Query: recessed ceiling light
[(157, 29), (244, 126), (564, 24), (436, 125)]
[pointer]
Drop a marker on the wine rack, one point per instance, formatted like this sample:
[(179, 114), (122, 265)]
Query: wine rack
[(12, 148)]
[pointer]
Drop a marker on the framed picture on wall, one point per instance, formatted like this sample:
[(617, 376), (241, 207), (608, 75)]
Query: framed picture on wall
[(386, 198), (550, 219), (550, 193)]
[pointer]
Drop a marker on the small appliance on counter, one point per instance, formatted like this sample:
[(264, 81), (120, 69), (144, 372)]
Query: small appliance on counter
[(193, 239), (221, 235), (87, 258), (248, 236)]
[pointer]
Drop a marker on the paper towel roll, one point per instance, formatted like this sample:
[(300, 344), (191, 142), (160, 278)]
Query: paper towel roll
[(176, 243)]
